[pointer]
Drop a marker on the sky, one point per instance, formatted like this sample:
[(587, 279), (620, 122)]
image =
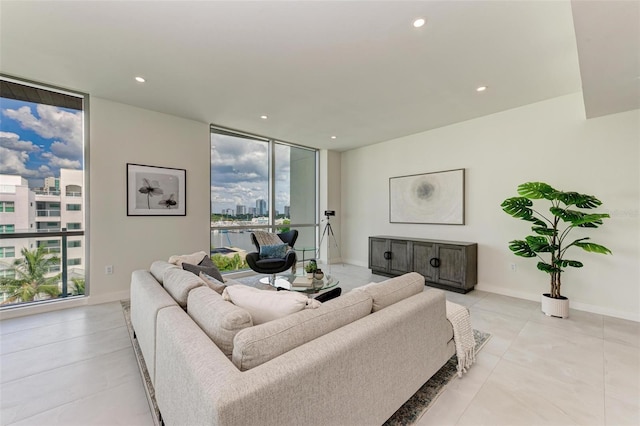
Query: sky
[(239, 173), (37, 140)]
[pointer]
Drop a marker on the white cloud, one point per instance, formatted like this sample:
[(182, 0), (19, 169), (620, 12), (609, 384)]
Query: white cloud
[(62, 163), (12, 141), (53, 122), (13, 162)]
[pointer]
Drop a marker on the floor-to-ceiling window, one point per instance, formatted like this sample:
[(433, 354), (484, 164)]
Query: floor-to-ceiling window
[(43, 191), (259, 183)]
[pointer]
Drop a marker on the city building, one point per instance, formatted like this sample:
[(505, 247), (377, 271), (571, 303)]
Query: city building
[(261, 207)]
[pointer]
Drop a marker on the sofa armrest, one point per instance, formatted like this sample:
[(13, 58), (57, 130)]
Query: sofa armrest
[(147, 299)]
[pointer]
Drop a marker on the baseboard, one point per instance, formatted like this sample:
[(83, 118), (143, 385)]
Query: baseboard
[(59, 304), (594, 309), (42, 307), (109, 297)]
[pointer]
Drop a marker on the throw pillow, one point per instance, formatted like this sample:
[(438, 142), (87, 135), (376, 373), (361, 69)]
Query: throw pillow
[(206, 265), (275, 251), (267, 305), (213, 283), (266, 238)]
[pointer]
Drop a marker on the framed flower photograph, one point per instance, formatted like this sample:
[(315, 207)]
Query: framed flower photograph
[(156, 191)]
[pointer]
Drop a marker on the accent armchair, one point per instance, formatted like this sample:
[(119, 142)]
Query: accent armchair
[(267, 260)]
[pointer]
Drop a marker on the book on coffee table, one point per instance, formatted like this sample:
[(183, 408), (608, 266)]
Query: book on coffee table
[(302, 282)]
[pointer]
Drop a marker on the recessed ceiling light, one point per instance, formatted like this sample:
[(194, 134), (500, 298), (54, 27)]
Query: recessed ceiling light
[(334, 137), (419, 22), (140, 79), (264, 117), (481, 89)]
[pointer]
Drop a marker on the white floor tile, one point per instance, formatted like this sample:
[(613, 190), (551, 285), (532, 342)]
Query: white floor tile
[(26, 397), (24, 363), (515, 395), (124, 405), (622, 372), (622, 331)]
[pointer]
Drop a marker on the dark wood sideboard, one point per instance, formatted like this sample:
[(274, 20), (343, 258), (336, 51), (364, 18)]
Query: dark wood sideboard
[(450, 265)]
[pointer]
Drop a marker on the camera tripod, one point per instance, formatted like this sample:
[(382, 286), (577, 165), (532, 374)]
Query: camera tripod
[(328, 231)]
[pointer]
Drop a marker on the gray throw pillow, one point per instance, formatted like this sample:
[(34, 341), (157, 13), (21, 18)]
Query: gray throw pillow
[(207, 266)]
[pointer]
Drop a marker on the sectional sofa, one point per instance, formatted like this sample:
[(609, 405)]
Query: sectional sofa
[(352, 361)]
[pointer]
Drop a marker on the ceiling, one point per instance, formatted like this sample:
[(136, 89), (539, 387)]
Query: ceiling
[(357, 70)]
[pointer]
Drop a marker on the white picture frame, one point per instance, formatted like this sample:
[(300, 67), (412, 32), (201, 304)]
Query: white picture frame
[(428, 198)]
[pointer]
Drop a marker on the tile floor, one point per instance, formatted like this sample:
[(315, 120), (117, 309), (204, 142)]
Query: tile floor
[(76, 367)]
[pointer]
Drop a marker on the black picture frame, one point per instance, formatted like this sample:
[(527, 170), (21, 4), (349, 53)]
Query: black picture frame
[(156, 191)]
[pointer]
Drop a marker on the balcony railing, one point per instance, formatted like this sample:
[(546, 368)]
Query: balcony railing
[(53, 193), (48, 213), (71, 283)]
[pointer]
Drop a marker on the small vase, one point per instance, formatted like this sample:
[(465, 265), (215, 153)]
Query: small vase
[(318, 274)]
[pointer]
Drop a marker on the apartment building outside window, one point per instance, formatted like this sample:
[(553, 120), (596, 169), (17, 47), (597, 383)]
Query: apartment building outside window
[(42, 182), (7, 252), (7, 228), (7, 207)]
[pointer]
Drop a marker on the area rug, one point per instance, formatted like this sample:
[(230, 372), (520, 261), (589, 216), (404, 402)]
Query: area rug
[(406, 415)]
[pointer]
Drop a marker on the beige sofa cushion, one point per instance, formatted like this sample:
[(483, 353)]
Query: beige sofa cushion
[(179, 283), (219, 319), (393, 290), (259, 344), (267, 305), (159, 267)]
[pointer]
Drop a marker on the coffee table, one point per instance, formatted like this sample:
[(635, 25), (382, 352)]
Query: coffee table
[(318, 285)]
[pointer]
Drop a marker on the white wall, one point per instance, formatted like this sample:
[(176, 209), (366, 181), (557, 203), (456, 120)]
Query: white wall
[(330, 190), (548, 141), (122, 134)]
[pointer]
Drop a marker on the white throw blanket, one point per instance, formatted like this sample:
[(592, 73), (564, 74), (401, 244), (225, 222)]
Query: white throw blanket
[(193, 258), (460, 319)]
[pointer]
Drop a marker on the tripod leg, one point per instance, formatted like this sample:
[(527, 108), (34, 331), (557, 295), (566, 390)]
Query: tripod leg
[(324, 232), (335, 242)]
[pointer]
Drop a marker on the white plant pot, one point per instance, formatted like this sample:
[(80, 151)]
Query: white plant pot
[(555, 307)]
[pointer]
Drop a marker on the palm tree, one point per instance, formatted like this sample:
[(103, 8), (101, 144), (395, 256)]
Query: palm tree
[(77, 286), (29, 281)]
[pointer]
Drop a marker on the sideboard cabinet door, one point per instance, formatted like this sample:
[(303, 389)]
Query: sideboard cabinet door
[(378, 261)]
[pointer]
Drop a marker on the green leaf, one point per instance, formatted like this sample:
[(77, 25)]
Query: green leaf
[(574, 263), (521, 248), (580, 200), (591, 220), (593, 248), (536, 221), (546, 267), (543, 230), (539, 244), (518, 207), (536, 190)]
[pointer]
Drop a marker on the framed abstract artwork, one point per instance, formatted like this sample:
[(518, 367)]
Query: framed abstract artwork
[(436, 198), (156, 191)]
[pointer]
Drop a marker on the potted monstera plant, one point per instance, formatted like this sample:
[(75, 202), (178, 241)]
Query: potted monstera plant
[(551, 230)]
